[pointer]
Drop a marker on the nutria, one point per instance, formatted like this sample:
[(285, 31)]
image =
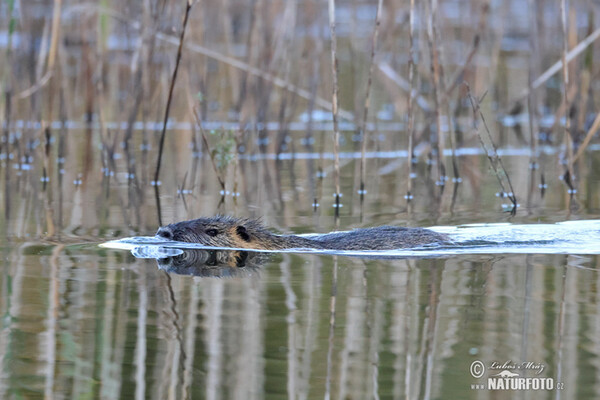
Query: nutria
[(221, 231)]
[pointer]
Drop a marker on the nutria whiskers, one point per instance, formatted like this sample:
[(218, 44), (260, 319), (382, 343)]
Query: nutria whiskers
[(221, 231)]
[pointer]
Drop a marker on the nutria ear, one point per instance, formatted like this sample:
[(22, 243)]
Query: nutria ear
[(243, 233)]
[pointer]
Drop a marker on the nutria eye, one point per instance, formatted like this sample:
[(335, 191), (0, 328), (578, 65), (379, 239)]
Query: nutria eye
[(165, 233), (212, 232)]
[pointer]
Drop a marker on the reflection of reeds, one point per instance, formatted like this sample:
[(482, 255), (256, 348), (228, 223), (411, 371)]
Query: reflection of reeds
[(332, 317)]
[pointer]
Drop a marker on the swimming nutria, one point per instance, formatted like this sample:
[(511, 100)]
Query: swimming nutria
[(221, 231)]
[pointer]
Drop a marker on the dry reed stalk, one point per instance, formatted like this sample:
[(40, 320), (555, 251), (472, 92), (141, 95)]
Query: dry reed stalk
[(584, 90), (188, 7), (363, 130), (62, 115), (456, 179), (52, 54), (208, 150), (47, 170), (313, 86), (149, 19), (588, 137), (334, 108), (7, 120), (234, 75), (290, 19), (532, 104), (562, 108), (532, 98), (437, 89), (492, 154), (568, 176), (46, 157), (243, 88), (141, 89), (458, 77), (410, 112), (387, 70), (568, 57), (7, 83), (195, 48)]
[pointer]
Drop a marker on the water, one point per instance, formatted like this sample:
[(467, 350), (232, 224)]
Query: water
[(105, 324)]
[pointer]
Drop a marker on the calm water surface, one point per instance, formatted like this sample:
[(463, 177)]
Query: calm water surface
[(80, 321)]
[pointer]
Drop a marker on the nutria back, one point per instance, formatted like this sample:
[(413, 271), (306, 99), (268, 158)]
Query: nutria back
[(381, 238), (229, 232)]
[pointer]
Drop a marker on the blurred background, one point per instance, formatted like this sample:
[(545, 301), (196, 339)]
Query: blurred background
[(250, 132)]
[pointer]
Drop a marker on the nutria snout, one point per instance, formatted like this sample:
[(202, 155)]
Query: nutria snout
[(229, 232)]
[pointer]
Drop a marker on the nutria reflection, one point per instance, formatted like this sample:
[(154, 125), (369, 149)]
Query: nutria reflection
[(214, 263), (222, 231)]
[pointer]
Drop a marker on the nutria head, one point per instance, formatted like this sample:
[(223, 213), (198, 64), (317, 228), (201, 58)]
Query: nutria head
[(219, 231)]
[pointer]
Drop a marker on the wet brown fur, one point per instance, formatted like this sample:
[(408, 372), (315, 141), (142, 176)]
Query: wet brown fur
[(229, 232)]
